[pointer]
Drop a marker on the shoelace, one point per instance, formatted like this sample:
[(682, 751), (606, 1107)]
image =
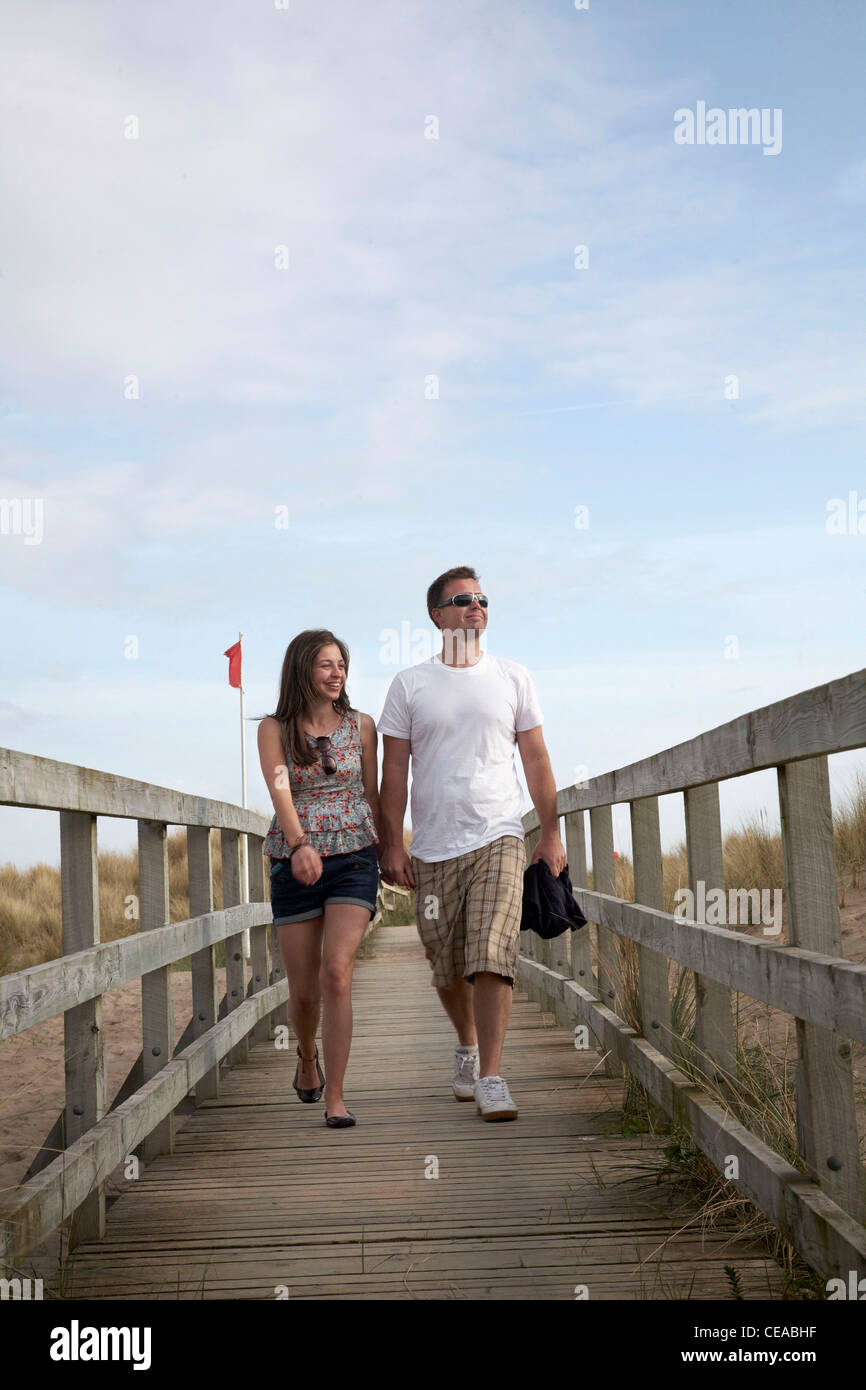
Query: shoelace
[(465, 1065), (495, 1088)]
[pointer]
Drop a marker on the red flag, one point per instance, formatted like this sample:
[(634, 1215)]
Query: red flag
[(234, 656)]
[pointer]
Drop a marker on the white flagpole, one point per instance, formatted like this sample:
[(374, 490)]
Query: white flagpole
[(244, 856)]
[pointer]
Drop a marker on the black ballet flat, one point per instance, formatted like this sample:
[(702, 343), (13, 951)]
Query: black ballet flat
[(313, 1093), (339, 1121)]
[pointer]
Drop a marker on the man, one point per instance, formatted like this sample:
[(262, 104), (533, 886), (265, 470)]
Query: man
[(459, 716)]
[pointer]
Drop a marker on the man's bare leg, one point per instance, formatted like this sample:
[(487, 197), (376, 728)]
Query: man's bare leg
[(457, 1001), (493, 995)]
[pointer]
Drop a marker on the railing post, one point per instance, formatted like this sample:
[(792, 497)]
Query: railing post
[(826, 1116), (715, 1037), (258, 935), (83, 1043), (560, 960), (541, 948), (581, 941), (157, 1015), (278, 1017), (654, 998), (205, 999), (604, 881), (530, 943), (236, 975)]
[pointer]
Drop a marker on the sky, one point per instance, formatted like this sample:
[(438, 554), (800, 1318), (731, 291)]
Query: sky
[(304, 304)]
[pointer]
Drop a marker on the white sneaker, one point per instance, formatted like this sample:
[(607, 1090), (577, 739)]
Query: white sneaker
[(493, 1099), (465, 1074)]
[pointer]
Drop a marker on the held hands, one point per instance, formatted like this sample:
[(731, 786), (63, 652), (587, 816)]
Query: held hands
[(395, 866), (305, 864), (551, 849)]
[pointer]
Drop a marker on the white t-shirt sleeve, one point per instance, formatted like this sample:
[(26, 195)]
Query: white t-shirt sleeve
[(395, 719), (528, 714)]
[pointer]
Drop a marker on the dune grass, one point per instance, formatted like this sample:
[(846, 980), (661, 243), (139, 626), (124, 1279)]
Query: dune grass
[(30, 922)]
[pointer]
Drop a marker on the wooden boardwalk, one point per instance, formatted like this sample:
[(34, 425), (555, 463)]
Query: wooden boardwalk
[(260, 1198)]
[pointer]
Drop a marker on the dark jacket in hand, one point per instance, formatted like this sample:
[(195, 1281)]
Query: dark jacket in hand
[(549, 908)]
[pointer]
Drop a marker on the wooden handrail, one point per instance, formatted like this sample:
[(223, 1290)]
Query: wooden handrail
[(96, 1137), (807, 976), (43, 991), (827, 990), (26, 780)]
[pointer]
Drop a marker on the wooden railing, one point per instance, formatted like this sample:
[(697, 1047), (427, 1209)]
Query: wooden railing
[(578, 978), (92, 1136)]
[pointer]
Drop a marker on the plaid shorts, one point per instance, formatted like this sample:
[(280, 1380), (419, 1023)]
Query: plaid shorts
[(468, 910)]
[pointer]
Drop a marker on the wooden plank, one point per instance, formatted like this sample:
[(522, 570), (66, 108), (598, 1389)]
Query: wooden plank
[(157, 1016), (236, 977), (654, 997), (83, 1041), (826, 1117), (604, 881), (824, 989), (203, 962), (830, 1240), (259, 963), (543, 1203), (826, 719), (44, 1203), (26, 780), (31, 996), (715, 1048)]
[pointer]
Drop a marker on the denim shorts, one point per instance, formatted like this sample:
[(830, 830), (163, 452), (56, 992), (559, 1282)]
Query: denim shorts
[(346, 878)]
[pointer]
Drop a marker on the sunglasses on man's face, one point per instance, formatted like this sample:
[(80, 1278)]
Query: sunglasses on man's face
[(464, 600)]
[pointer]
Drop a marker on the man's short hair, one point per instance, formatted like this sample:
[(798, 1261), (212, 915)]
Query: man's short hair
[(434, 593)]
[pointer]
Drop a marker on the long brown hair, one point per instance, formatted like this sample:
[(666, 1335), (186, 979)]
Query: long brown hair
[(298, 693)]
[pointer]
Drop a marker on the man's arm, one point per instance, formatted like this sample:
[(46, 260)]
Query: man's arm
[(370, 767), (542, 790), (393, 860)]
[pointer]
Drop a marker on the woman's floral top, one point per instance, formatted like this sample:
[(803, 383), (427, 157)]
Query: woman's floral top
[(331, 807)]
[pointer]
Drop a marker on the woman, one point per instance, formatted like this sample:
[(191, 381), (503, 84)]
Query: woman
[(318, 758)]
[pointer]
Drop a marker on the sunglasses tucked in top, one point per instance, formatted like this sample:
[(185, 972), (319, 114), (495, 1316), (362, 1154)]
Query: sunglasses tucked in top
[(464, 600), (323, 744)]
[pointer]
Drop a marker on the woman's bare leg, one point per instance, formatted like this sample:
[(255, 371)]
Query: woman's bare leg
[(345, 924), (301, 945)]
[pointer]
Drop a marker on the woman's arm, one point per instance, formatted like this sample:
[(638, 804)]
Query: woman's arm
[(306, 864), (276, 774), (370, 770)]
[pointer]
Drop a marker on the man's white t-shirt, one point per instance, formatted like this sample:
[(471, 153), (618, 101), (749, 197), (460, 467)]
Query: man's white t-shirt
[(462, 722)]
